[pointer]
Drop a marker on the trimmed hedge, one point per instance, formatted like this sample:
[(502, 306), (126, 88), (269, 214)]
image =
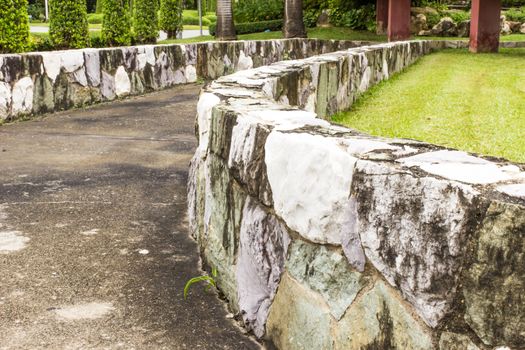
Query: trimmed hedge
[(95, 18), (68, 27), (254, 27), (145, 21), (171, 17), (195, 21), (14, 26), (116, 26)]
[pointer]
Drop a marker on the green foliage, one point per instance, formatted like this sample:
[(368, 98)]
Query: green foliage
[(100, 6), (116, 24), (145, 21), (459, 16), (36, 11), (310, 17), (171, 16), (246, 11), (188, 20), (254, 27), (210, 280), (68, 27), (432, 19), (355, 18), (95, 18), (14, 26), (516, 14)]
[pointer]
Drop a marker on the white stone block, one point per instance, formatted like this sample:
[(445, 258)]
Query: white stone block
[(23, 96), (122, 82)]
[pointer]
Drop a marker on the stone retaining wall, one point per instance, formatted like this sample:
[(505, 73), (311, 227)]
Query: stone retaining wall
[(327, 238), (37, 83)]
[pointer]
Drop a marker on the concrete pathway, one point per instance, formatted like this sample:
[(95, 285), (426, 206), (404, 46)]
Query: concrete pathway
[(94, 245)]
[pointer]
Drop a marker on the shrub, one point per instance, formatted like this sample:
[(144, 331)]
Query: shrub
[(432, 19), (171, 17), (254, 27), (310, 17), (36, 11), (95, 18), (459, 16), (356, 18), (14, 26), (246, 11), (116, 24), (195, 21), (100, 6), (68, 27), (211, 17), (145, 21), (516, 14)]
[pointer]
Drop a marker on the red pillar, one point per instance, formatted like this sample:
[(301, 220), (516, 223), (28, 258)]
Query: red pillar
[(485, 25), (381, 16), (398, 20)]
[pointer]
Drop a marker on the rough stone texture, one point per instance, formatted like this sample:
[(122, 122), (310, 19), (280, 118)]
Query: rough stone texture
[(299, 318), (445, 27), (379, 320), (117, 72), (453, 341), (384, 232), (327, 272), (495, 282), (262, 250)]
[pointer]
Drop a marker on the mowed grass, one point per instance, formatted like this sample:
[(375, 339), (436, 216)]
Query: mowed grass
[(472, 102)]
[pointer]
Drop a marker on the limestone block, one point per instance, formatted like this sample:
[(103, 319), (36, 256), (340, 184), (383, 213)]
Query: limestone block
[(454, 341), (246, 158), (43, 96), (515, 190), (379, 320), (244, 62), (494, 284), (92, 59), (204, 111), (299, 318), (72, 60), (22, 96), (145, 55), (163, 71), (316, 205), (460, 166), (327, 272), (5, 100), (414, 231), (122, 82), (191, 74), (80, 76), (180, 76), (107, 86), (262, 251), (52, 64), (223, 208)]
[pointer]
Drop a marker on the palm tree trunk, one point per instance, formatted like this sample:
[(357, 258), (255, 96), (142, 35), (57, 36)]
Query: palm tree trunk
[(225, 27), (293, 19)]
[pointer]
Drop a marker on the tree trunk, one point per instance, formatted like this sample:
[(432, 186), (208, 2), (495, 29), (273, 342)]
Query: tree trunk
[(293, 19), (225, 27)]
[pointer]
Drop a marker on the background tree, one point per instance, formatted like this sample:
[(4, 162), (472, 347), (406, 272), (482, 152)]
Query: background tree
[(225, 27), (68, 27), (116, 24), (100, 6), (14, 26), (145, 21), (171, 17), (293, 19)]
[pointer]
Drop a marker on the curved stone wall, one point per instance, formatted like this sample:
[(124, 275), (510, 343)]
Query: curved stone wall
[(37, 83), (327, 238)]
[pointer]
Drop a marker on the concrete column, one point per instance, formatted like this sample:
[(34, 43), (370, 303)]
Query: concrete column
[(381, 16), (398, 20), (485, 25)]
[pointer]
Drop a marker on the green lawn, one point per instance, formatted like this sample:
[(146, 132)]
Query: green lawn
[(318, 33), (473, 102)]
